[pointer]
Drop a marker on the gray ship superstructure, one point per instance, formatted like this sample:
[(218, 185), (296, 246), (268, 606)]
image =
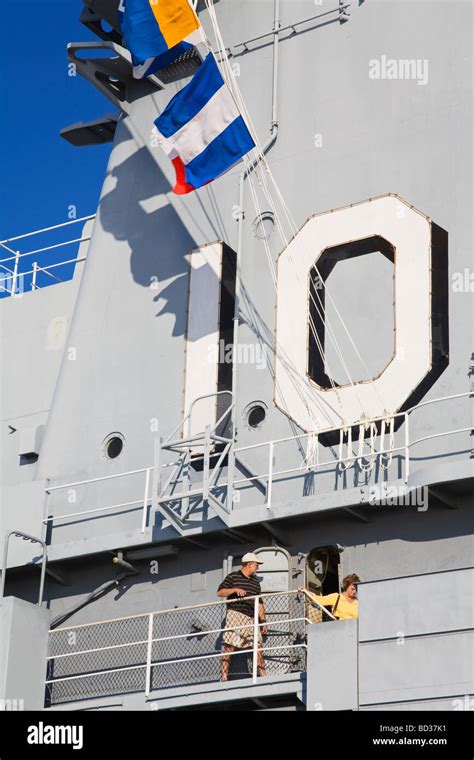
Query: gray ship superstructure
[(200, 389)]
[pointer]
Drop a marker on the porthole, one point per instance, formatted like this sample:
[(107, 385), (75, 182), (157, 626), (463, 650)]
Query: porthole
[(264, 225), (255, 415), (113, 445)]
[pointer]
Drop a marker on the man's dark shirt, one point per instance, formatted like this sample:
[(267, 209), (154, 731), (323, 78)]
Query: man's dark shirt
[(251, 587)]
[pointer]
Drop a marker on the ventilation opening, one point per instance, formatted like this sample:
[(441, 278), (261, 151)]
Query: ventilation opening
[(256, 414), (113, 445)]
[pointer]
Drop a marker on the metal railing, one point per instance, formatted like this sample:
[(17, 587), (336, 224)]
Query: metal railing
[(361, 451), (15, 280), (177, 647), (163, 489), (168, 489)]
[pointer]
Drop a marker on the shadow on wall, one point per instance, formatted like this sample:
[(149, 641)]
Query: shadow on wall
[(137, 210)]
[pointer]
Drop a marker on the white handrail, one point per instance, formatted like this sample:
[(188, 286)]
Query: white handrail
[(440, 435), (92, 511), (53, 266), (96, 480), (180, 635), (48, 229), (269, 595), (313, 600), (170, 662), (37, 268), (272, 474), (49, 248)]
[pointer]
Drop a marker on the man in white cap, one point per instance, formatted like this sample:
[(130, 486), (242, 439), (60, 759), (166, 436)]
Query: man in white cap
[(240, 613)]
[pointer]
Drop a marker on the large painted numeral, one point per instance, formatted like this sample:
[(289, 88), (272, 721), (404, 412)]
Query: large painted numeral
[(420, 350)]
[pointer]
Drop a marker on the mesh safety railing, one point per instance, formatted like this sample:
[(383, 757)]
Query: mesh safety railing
[(178, 647)]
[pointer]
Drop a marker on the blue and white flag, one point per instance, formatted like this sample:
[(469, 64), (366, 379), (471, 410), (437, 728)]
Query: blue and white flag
[(202, 130)]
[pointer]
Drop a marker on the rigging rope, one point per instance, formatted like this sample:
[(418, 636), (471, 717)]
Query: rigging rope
[(261, 168)]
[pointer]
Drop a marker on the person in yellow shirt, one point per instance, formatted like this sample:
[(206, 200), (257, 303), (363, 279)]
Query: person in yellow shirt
[(344, 606)]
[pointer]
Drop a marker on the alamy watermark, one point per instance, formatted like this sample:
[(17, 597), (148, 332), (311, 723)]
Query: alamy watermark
[(399, 496), (12, 704), (403, 68), (12, 284), (242, 353), (43, 733), (463, 703), (463, 282)]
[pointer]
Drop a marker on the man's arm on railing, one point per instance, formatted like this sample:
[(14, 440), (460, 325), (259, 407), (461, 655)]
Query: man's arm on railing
[(228, 591)]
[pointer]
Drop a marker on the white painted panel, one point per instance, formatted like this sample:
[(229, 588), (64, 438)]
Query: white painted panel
[(202, 335)]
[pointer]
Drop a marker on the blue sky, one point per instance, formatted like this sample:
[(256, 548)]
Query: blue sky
[(42, 174)]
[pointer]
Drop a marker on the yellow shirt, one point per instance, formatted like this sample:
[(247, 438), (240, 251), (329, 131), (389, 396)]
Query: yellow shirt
[(345, 610)]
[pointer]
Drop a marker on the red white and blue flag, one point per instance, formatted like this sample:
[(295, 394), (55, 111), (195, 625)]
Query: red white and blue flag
[(202, 130)]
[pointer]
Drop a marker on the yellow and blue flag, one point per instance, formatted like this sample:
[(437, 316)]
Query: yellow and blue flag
[(157, 32)]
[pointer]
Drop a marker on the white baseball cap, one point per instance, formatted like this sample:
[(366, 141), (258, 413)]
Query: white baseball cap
[(251, 557)]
